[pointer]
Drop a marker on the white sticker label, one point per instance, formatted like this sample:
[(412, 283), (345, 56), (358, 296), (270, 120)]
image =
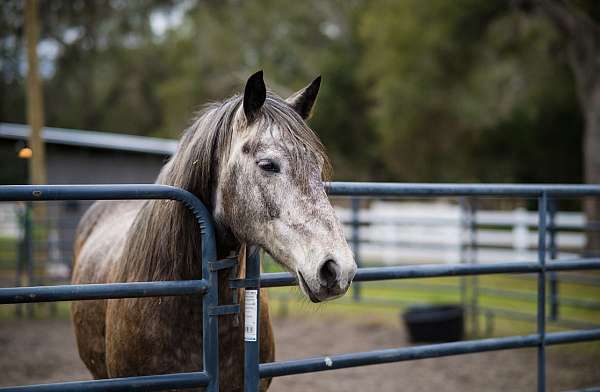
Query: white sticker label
[(250, 310)]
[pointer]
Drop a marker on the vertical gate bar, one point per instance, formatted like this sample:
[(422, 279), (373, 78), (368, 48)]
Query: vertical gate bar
[(210, 322), (552, 254), (356, 244), (252, 322), (541, 310)]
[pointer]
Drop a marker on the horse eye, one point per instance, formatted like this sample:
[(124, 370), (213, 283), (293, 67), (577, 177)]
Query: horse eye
[(268, 166)]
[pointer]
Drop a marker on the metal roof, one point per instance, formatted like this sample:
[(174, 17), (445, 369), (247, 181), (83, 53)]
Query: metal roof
[(92, 139)]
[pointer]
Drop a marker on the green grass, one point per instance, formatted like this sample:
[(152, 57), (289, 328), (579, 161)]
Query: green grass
[(8, 252), (400, 293)]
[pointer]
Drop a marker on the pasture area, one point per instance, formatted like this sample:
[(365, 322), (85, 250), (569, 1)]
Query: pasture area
[(43, 349)]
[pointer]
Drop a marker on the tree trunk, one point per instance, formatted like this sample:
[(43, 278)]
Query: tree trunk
[(591, 152), (582, 36), (584, 57)]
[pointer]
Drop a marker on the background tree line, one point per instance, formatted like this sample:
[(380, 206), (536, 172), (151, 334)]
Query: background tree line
[(435, 90)]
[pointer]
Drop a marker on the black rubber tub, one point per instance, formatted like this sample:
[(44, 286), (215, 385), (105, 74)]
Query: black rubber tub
[(434, 323)]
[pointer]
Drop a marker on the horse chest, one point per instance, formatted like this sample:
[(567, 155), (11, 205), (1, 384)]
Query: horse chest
[(153, 335), (231, 353), (164, 335)]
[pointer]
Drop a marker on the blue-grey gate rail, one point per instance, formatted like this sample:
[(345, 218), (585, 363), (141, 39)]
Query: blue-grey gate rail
[(207, 286)]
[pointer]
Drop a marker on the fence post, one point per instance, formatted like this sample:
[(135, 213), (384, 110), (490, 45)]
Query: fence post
[(252, 321), (468, 252), (552, 253), (28, 252), (463, 251), (356, 244), (541, 308), (21, 250), (520, 233), (473, 259)]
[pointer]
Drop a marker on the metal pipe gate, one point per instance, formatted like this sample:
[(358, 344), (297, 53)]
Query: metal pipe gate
[(544, 195), (207, 286)]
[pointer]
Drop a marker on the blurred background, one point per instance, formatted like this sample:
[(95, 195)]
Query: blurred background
[(503, 91)]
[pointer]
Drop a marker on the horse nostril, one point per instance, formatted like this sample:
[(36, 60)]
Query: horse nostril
[(329, 273)]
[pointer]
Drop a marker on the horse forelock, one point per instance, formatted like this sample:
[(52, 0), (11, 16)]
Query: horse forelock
[(298, 140)]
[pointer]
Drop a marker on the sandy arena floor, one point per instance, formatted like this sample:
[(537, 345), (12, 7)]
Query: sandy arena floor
[(41, 351)]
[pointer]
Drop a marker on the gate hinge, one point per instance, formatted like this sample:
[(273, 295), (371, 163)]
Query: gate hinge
[(223, 310), (223, 264), (243, 283)]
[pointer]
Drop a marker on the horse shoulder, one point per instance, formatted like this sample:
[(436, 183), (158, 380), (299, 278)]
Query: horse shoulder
[(97, 246)]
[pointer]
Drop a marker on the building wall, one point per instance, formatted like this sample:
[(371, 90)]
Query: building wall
[(75, 165), (80, 165), (72, 165), (13, 170)]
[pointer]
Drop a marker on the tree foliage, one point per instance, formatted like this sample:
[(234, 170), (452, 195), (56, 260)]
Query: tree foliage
[(440, 90)]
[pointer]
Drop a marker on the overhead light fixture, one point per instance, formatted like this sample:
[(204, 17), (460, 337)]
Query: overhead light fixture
[(25, 153)]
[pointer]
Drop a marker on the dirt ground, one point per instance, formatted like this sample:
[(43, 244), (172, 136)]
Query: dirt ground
[(40, 351)]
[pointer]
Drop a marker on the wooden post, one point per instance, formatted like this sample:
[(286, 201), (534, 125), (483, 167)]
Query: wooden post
[(35, 99), (35, 112)]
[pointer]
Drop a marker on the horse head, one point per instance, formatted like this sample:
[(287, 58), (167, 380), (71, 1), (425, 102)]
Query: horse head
[(269, 190)]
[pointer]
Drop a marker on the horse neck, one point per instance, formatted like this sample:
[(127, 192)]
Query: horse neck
[(165, 231), (164, 242)]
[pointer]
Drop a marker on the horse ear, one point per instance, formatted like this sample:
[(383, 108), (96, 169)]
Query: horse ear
[(255, 94), (303, 101)]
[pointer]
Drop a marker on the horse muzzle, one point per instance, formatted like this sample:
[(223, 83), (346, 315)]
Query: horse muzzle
[(331, 281)]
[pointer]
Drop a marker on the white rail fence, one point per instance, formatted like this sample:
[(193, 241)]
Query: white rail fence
[(420, 232)]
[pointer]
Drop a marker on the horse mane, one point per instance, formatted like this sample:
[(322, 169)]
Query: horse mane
[(164, 241)]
